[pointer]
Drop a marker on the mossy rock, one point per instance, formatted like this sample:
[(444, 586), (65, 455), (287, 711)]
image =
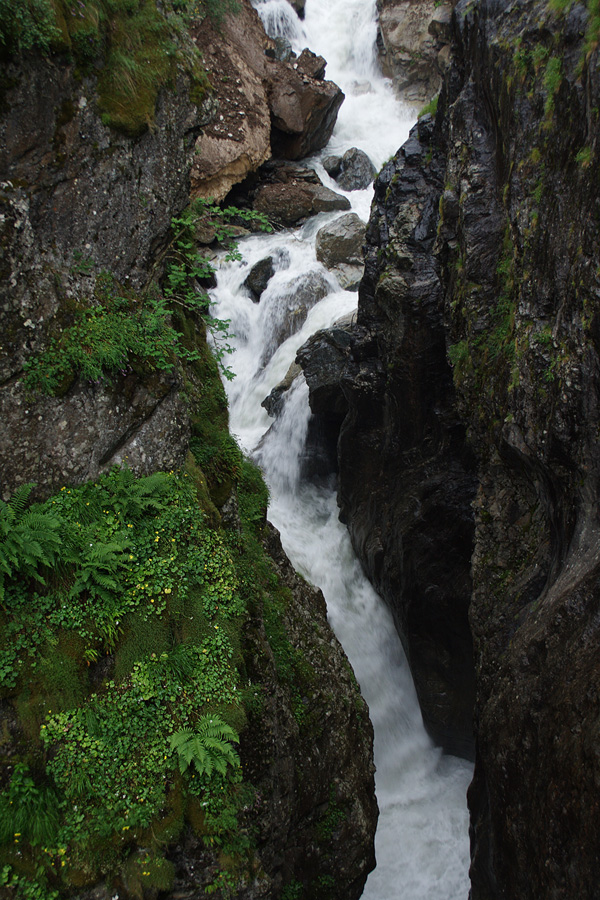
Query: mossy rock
[(213, 519)]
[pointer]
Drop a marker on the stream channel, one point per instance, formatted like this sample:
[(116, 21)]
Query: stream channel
[(422, 842)]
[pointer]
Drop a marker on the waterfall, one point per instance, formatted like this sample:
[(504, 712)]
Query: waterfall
[(422, 839)]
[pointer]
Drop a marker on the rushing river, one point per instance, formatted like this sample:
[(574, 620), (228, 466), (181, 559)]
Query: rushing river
[(422, 838)]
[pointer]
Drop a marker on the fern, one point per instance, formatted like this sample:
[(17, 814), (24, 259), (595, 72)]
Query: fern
[(29, 539), (132, 497), (208, 749), (98, 572)]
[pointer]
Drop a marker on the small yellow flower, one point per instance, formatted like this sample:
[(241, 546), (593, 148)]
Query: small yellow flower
[(167, 590)]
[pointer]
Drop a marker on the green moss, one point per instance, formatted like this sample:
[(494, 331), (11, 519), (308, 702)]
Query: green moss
[(552, 80), (141, 60), (584, 157), (136, 46), (431, 107), (142, 636)]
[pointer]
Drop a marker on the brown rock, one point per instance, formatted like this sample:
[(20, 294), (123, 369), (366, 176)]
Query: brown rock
[(303, 110), (312, 65), (238, 140), (289, 204)]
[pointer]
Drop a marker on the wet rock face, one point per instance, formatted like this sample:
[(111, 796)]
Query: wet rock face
[(317, 771), (519, 253), (478, 315), (406, 477)]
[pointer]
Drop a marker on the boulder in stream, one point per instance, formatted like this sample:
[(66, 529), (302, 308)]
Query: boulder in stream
[(273, 402), (296, 298), (259, 276), (291, 204), (356, 171), (303, 109), (339, 248), (261, 272)]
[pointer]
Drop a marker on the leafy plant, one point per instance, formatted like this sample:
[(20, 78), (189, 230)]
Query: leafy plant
[(208, 748), (552, 80), (188, 268), (29, 539), (131, 497), (29, 24), (28, 812)]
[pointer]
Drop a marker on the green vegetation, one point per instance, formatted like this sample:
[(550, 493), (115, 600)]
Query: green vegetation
[(430, 107), (122, 614), (552, 80), (584, 157), (122, 331), (137, 47), (123, 669), (137, 575), (483, 359), (592, 32)]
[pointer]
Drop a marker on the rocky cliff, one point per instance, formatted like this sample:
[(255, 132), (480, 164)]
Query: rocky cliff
[(468, 455), (139, 611)]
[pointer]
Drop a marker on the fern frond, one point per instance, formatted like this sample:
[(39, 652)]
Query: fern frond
[(18, 501), (208, 748)]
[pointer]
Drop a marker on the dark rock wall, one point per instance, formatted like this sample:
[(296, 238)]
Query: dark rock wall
[(470, 450), (406, 477)]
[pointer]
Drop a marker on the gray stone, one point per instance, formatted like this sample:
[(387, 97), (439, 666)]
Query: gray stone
[(340, 242), (273, 403), (356, 170), (297, 298), (332, 164)]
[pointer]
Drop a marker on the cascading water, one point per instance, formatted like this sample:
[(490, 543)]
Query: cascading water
[(422, 842)]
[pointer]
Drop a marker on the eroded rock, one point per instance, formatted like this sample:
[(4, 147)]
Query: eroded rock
[(295, 299), (259, 276), (303, 112), (273, 403)]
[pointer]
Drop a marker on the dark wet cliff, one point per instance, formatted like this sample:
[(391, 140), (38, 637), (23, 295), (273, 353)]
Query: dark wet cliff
[(468, 457)]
